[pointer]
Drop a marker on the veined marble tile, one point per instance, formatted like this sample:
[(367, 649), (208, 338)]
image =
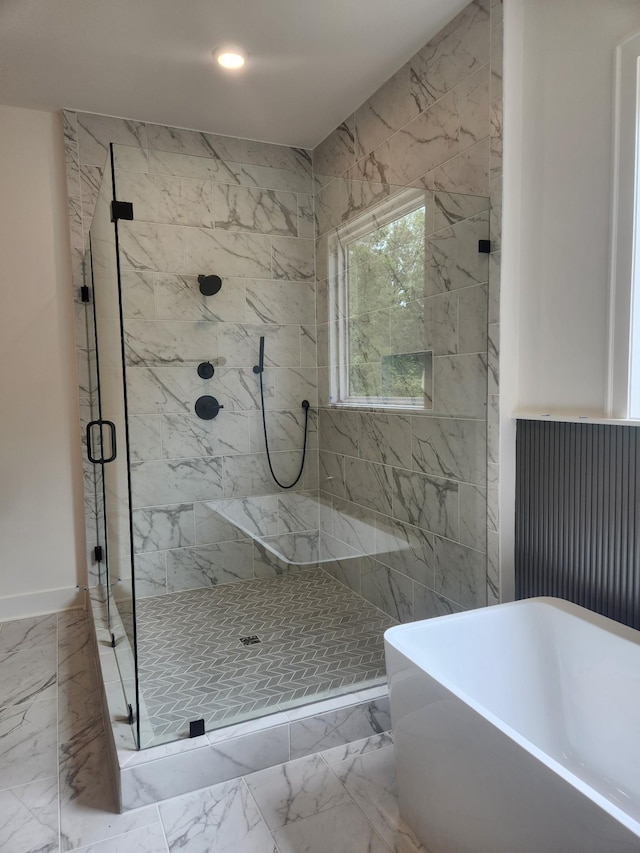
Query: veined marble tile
[(344, 824), (331, 549), (90, 180), (308, 346), (330, 202), (280, 301), (130, 158), (161, 528), (427, 604), (495, 219), (496, 62), (95, 132), (296, 790), (466, 173), (474, 107), (497, 12), (371, 781), (191, 436), (151, 246), (164, 198), (293, 385), (74, 208), (337, 152), (249, 474), (493, 497), (306, 216), (285, 430), (28, 743), (152, 343), (87, 809), (494, 287), (339, 431), (158, 482), (215, 519), (452, 259), (355, 525), (30, 818), (461, 573), (227, 254), (70, 131), (332, 476), (473, 304), (159, 389), (390, 591), (145, 439), (386, 438), (386, 111), (238, 388), (22, 634), (251, 209), (496, 139), (137, 295), (226, 813), (209, 565), (28, 675), (456, 52), (429, 140), (493, 567), (427, 502), (292, 259), (460, 385), (240, 346), (150, 574), (450, 448), (357, 748), (368, 484), (450, 208), (337, 727), (297, 512), (150, 839), (405, 548), (473, 516), (374, 167)]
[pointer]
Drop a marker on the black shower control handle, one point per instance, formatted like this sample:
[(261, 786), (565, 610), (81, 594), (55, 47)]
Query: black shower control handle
[(207, 407)]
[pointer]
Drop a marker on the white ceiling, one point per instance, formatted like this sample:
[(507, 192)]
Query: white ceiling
[(311, 62)]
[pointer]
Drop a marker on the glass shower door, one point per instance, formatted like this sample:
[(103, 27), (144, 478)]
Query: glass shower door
[(107, 442)]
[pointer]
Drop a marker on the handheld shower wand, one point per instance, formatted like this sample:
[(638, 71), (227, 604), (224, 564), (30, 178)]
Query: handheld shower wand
[(259, 369)]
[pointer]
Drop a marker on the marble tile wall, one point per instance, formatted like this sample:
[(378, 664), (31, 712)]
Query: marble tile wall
[(429, 479), (203, 204)]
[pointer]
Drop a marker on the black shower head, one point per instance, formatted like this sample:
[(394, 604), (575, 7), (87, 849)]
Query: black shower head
[(209, 284)]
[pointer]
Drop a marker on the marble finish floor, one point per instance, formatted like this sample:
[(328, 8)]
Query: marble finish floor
[(56, 792), (317, 639)]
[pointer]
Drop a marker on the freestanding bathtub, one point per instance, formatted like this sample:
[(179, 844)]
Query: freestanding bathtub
[(517, 729)]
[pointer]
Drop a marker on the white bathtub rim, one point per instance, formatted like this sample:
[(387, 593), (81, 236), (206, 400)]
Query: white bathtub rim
[(601, 800)]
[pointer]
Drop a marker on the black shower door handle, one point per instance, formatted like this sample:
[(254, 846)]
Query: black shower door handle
[(114, 450)]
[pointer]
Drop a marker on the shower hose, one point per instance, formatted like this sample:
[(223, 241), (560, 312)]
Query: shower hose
[(259, 368)]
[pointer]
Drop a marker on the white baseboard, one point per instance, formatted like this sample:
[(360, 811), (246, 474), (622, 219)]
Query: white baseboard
[(41, 603)]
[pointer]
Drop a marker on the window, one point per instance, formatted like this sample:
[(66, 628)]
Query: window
[(624, 319), (378, 265)]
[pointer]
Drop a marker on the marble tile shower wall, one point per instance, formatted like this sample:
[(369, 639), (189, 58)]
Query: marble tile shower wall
[(428, 480), (241, 210)]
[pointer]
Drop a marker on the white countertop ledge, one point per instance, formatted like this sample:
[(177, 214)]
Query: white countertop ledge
[(559, 417)]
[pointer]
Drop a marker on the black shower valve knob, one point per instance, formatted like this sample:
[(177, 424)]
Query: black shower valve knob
[(207, 407), (205, 370)]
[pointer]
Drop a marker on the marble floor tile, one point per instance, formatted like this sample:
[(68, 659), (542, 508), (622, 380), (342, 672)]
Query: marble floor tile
[(220, 819), (28, 743), (357, 747), (29, 818), (371, 781), (27, 633), (339, 830), (26, 676), (88, 811), (151, 839), (296, 790)]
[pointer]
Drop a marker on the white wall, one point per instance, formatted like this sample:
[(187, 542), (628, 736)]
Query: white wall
[(41, 516), (558, 135)]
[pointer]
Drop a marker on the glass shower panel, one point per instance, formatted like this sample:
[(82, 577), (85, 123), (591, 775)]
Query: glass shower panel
[(110, 435)]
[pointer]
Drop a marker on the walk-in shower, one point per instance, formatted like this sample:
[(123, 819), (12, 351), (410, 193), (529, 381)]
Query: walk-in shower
[(259, 532)]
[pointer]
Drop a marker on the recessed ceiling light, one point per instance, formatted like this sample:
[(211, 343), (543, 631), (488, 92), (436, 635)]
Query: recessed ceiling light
[(231, 58)]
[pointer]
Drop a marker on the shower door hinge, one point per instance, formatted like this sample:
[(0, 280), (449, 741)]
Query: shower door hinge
[(121, 210), (484, 247), (85, 295), (130, 717), (97, 554)]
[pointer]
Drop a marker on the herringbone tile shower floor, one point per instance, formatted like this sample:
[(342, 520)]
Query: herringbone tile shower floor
[(316, 639)]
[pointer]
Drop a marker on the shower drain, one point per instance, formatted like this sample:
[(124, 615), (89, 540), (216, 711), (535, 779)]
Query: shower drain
[(251, 640)]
